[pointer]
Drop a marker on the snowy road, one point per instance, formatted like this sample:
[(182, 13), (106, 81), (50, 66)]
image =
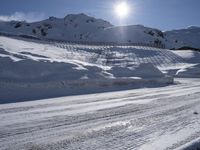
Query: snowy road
[(150, 118)]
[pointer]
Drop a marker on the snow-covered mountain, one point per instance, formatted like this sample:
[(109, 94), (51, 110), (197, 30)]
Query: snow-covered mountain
[(72, 27), (130, 34), (188, 37), (81, 27)]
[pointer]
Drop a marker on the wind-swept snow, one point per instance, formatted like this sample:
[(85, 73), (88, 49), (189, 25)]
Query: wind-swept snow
[(53, 68), (189, 55), (192, 57), (156, 118), (101, 55)]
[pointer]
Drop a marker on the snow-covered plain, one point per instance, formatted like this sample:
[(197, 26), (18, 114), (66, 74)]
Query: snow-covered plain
[(163, 118)]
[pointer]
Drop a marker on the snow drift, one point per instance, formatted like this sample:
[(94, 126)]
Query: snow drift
[(32, 69), (193, 71)]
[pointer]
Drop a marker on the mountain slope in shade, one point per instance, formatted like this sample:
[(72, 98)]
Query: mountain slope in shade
[(188, 37), (81, 27)]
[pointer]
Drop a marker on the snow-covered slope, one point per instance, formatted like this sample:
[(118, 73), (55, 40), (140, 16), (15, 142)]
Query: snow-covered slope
[(81, 27), (189, 55), (56, 61), (34, 69), (31, 61), (72, 27), (192, 57), (130, 34), (188, 37), (103, 56), (42, 68)]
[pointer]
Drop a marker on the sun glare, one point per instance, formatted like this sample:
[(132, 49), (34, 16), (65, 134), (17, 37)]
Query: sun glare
[(122, 9)]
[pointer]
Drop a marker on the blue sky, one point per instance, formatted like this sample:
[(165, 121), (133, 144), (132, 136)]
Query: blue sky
[(162, 14)]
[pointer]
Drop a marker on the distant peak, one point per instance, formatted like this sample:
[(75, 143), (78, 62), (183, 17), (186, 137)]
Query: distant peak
[(81, 15), (193, 27), (86, 18), (139, 25), (52, 17)]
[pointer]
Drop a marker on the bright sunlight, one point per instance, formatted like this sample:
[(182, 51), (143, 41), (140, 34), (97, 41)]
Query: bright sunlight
[(122, 9)]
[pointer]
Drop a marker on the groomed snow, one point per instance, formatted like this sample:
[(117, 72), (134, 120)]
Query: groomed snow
[(154, 119)]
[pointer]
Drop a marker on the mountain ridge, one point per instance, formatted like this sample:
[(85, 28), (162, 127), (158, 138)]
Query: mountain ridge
[(80, 27)]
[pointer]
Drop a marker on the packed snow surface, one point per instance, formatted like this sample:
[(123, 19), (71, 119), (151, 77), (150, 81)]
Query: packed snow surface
[(164, 118)]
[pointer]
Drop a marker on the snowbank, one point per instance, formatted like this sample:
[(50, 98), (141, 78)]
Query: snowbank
[(24, 91), (143, 71), (34, 71), (32, 80)]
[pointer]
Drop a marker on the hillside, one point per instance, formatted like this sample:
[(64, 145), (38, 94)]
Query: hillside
[(70, 28), (130, 34), (188, 37), (33, 69), (81, 27)]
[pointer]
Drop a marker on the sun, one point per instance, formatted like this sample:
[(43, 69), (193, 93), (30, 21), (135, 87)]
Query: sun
[(122, 9)]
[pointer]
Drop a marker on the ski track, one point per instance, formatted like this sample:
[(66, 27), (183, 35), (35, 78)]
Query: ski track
[(149, 118)]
